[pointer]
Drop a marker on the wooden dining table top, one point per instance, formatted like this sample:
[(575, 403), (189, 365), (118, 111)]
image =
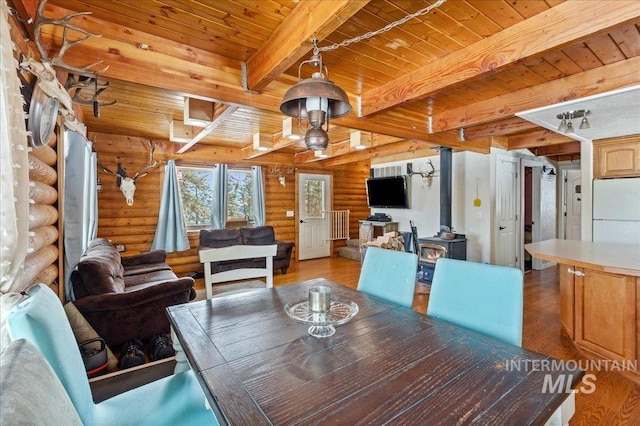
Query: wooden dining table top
[(388, 364)]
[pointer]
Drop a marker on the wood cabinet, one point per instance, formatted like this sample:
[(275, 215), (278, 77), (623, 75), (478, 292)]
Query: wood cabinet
[(604, 313), (616, 157), (599, 298), (567, 299)]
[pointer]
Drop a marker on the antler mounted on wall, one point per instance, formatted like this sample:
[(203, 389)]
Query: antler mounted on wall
[(427, 177), (86, 91), (47, 78), (282, 173), (128, 184)]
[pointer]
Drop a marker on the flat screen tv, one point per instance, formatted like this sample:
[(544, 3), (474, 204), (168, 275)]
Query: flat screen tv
[(388, 192)]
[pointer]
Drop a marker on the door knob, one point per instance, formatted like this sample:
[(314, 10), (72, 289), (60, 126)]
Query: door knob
[(301, 221), (501, 228)]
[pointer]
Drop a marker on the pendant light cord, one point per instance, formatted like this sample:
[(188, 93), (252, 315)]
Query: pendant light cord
[(384, 29)]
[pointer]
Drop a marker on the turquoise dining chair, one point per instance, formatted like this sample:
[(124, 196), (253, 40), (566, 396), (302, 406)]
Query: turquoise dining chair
[(172, 400), (479, 296), (389, 274)]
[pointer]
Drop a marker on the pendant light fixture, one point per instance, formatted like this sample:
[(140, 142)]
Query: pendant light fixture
[(567, 127), (315, 100)]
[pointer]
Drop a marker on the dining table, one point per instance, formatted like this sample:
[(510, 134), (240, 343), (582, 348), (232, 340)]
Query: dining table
[(386, 364)]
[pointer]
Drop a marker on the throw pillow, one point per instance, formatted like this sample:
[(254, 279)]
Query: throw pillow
[(31, 392)]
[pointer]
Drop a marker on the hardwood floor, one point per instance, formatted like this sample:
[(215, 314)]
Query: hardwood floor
[(615, 401)]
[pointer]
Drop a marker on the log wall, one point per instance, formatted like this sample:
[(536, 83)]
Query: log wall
[(135, 225), (41, 264)]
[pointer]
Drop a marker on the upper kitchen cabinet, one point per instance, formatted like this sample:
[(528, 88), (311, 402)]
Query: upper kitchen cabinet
[(619, 157)]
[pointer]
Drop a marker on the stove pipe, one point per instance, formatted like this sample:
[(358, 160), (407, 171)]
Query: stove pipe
[(446, 168)]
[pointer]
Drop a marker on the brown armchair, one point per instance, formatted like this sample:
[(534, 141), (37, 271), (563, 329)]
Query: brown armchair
[(125, 298)]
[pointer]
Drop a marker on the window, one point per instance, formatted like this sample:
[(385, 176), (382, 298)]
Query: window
[(196, 192)]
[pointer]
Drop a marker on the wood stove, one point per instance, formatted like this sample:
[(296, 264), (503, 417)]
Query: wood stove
[(433, 248)]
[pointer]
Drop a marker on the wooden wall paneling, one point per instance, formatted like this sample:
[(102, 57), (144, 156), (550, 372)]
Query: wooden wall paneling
[(37, 262), (135, 225), (41, 172), (46, 154)]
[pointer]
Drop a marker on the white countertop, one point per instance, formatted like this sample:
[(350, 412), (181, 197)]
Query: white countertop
[(615, 258)]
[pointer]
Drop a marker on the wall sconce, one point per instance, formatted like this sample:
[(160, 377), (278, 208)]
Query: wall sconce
[(282, 173), (566, 117), (262, 142), (287, 130), (550, 171), (360, 140), (315, 100)]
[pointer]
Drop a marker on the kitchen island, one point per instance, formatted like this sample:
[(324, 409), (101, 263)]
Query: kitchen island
[(599, 298)]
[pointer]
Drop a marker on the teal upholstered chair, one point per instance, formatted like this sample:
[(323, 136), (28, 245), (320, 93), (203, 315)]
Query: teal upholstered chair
[(478, 296), (389, 274), (177, 399)]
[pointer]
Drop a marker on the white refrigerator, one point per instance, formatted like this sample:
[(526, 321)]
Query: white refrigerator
[(616, 210)]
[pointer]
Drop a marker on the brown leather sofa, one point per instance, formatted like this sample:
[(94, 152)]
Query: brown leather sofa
[(260, 235), (125, 298)]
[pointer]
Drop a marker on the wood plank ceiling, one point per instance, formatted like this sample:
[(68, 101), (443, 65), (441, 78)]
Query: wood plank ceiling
[(454, 77)]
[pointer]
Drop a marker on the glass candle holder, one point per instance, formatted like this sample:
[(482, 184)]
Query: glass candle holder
[(320, 298)]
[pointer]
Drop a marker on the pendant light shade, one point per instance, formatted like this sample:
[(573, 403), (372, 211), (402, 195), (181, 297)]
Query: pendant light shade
[(315, 92), (315, 101)]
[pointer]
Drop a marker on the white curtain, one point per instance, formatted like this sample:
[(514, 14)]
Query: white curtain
[(171, 231), (219, 205), (259, 214), (80, 202), (14, 169)]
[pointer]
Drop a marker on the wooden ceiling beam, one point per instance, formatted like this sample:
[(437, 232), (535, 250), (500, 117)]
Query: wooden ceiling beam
[(592, 82), (221, 113), (567, 23), (560, 149), (537, 139), (312, 19), (502, 127), (196, 73)]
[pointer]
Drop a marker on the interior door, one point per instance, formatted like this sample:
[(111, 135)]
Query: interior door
[(507, 208), (573, 206), (313, 202)]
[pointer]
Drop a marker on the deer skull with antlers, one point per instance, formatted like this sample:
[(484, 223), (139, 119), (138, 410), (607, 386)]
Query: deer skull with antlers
[(282, 173), (128, 184), (427, 177)]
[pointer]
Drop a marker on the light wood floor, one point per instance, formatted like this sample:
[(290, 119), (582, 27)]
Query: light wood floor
[(616, 400)]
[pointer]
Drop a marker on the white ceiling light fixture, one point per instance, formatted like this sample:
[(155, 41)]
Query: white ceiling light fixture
[(360, 140), (288, 132), (197, 112), (324, 153), (262, 142), (180, 133)]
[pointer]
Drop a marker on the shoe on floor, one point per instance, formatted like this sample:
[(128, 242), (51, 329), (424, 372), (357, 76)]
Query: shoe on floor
[(132, 354), (160, 347)]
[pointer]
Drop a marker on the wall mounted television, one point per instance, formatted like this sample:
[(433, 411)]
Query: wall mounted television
[(389, 192)]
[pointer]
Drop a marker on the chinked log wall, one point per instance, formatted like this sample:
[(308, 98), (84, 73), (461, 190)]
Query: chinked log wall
[(135, 226), (41, 263)]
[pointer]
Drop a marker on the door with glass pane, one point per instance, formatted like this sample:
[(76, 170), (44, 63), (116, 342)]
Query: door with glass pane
[(313, 201)]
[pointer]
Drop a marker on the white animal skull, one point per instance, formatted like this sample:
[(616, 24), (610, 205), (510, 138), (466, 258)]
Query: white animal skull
[(128, 188), (128, 184)]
